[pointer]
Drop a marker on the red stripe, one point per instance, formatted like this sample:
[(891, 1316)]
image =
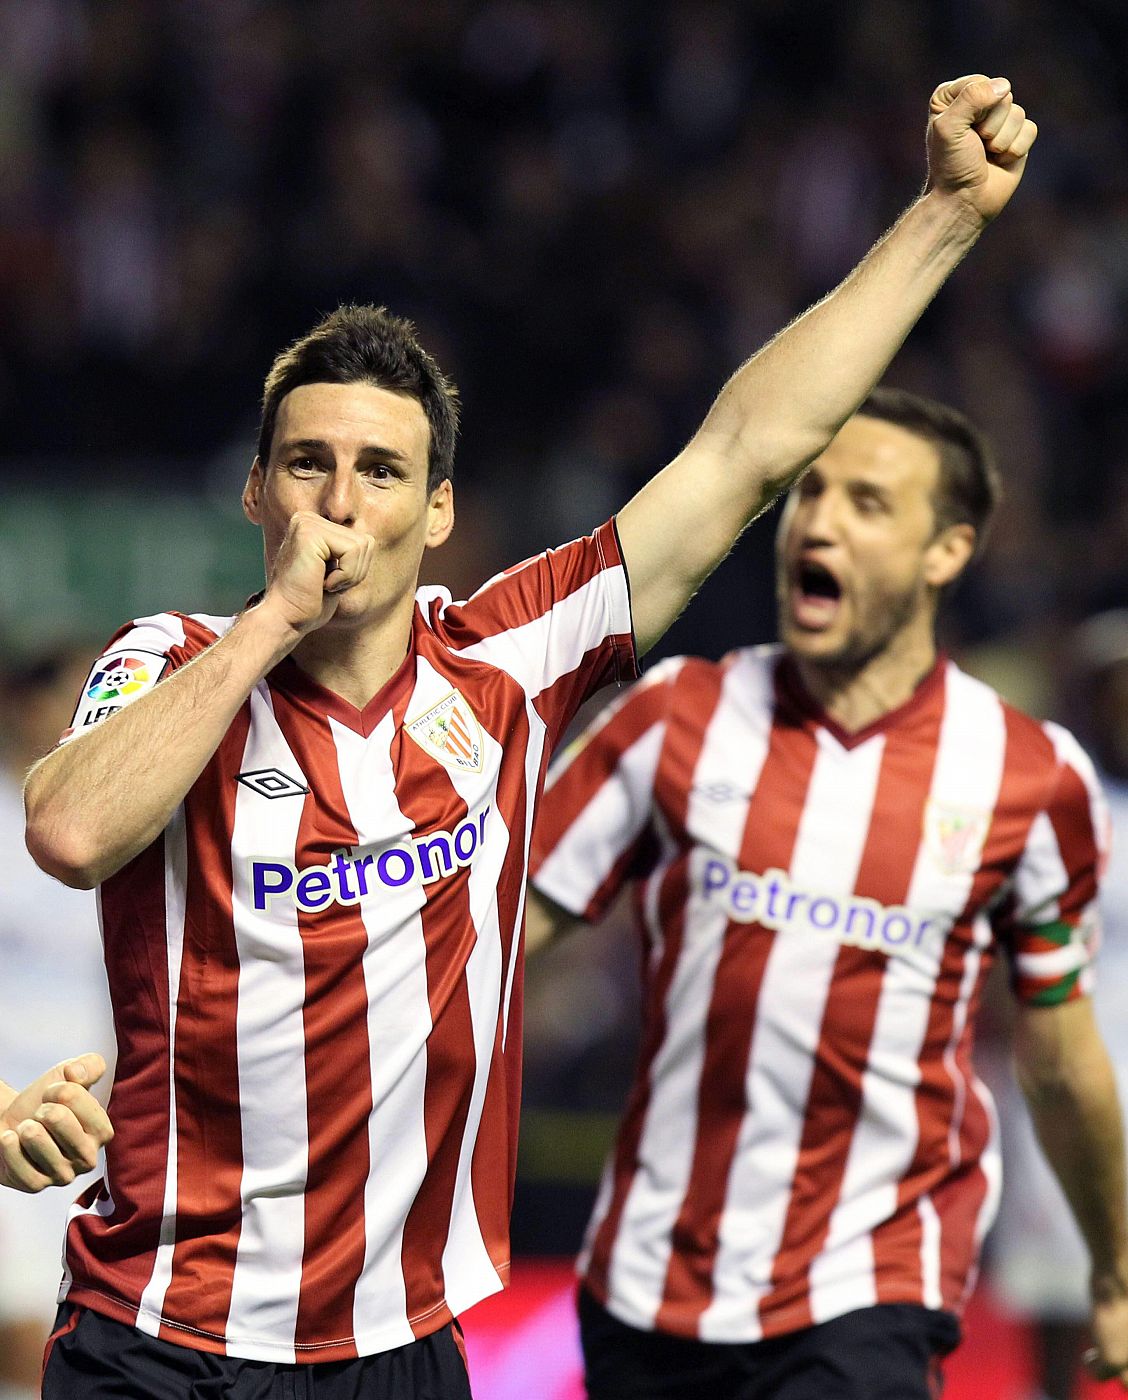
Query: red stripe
[(897, 1241), (579, 783), (681, 752), (209, 1141), (118, 1253), (834, 1101), (494, 1163), (63, 1331), (335, 1018), (428, 800), (1071, 816), (774, 813)]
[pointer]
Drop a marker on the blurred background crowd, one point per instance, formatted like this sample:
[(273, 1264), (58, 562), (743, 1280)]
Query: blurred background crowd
[(593, 211)]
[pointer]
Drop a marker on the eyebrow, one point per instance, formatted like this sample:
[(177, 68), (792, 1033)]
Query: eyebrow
[(320, 445)]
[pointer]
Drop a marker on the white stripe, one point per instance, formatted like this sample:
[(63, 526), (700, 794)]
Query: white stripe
[(618, 810), (468, 1272), (932, 1295), (537, 653), (270, 1046), (399, 1021), (828, 851), (1052, 964), (175, 887), (966, 775), (1041, 877), (641, 1252)]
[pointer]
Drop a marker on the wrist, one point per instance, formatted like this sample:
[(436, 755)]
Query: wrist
[(276, 633), (955, 213)]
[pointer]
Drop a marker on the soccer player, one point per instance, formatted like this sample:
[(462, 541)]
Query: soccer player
[(310, 825), (828, 844)]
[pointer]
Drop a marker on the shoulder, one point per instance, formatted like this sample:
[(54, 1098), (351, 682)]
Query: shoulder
[(1041, 754)]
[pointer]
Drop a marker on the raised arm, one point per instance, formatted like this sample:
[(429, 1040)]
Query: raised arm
[(780, 409), (51, 1131), (1065, 1074), (157, 747)]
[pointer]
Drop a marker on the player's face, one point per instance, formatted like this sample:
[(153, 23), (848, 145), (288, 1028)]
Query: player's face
[(357, 455), (858, 554)]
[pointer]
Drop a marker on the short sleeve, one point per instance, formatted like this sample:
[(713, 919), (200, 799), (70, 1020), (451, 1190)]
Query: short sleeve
[(1049, 925), (133, 661), (591, 834), (559, 624)]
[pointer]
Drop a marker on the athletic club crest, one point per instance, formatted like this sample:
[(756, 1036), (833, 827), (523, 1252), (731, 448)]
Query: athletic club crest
[(955, 836), (450, 733)]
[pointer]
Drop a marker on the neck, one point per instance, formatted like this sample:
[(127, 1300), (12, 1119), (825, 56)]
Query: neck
[(357, 662), (857, 696)]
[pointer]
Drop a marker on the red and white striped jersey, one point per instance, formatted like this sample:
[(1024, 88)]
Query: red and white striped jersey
[(806, 1134), (316, 976)]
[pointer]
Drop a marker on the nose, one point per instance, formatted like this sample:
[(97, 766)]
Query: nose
[(339, 498), (821, 517)]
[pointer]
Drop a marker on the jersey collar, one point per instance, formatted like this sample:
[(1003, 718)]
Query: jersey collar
[(791, 694)]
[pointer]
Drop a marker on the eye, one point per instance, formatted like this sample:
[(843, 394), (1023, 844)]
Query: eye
[(379, 471), (303, 466)]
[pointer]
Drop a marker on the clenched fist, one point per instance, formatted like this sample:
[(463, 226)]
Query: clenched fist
[(51, 1131), (978, 141), (317, 562)]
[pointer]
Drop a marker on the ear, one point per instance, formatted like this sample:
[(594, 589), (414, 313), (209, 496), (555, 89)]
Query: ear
[(949, 554), (252, 493), (440, 515)]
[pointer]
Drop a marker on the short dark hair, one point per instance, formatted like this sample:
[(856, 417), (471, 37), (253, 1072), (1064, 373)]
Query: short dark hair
[(367, 345), (969, 487)]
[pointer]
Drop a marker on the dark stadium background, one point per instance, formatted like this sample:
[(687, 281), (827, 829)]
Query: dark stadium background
[(593, 212)]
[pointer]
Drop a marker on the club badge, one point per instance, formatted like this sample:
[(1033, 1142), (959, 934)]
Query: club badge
[(449, 732), (955, 836)]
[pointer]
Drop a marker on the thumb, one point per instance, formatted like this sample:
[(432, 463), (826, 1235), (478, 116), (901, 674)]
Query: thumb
[(84, 1069), (968, 99)]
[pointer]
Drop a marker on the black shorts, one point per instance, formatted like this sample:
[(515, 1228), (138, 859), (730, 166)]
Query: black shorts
[(888, 1352), (90, 1357)]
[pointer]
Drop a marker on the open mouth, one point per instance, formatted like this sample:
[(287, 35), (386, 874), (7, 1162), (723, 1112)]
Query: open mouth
[(815, 595)]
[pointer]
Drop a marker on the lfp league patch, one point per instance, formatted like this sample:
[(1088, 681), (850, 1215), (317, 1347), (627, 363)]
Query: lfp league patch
[(117, 679), (450, 732)]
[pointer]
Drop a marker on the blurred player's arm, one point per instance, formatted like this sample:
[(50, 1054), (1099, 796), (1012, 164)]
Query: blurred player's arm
[(51, 1131), (139, 764), (545, 921), (1068, 1081), (779, 411)]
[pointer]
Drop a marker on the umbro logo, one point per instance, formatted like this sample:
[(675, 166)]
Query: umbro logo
[(272, 782), (721, 792)]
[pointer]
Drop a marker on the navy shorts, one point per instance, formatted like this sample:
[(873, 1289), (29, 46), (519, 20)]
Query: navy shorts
[(888, 1352), (91, 1357)]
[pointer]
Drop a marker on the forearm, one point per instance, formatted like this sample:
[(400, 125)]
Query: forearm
[(782, 407), (1076, 1112), (154, 749)]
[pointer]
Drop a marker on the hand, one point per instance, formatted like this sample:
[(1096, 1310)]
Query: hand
[(51, 1131), (1108, 1358), (978, 141), (317, 562)]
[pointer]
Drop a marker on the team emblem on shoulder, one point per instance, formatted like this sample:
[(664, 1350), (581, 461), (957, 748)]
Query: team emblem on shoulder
[(955, 836), (449, 732)]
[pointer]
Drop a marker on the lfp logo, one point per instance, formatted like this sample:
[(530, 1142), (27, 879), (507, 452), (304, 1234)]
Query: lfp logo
[(120, 676)]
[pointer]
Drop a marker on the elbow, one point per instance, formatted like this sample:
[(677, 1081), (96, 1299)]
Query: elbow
[(65, 858), (59, 845)]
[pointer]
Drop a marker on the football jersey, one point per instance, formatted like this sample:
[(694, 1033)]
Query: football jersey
[(316, 976), (806, 1134)]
